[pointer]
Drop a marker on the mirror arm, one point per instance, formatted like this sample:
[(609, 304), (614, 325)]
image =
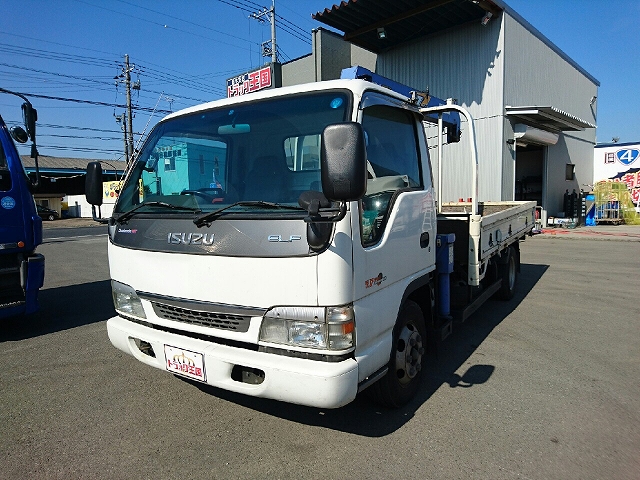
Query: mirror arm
[(98, 217), (34, 154), (315, 215)]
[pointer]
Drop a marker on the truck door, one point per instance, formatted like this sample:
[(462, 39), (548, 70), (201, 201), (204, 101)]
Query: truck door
[(397, 220)]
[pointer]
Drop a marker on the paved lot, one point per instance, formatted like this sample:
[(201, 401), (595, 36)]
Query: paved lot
[(71, 223), (545, 386)]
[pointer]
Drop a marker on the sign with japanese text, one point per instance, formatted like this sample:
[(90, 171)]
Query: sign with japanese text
[(110, 190), (265, 77), (619, 163)]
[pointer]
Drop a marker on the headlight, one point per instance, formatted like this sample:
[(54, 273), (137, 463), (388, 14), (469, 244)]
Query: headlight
[(326, 328), (126, 301)]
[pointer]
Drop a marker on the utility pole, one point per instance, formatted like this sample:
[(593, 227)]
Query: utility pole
[(268, 48), (122, 119), (127, 119), (127, 73)]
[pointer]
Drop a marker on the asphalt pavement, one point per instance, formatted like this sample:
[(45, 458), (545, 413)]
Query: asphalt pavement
[(541, 387), (71, 223), (599, 232)]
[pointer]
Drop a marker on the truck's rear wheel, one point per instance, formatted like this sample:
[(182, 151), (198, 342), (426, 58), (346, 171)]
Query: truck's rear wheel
[(508, 272), (402, 381)]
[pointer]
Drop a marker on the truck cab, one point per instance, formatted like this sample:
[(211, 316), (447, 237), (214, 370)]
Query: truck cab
[(21, 268)]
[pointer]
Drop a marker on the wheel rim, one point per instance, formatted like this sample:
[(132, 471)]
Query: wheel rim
[(409, 351)]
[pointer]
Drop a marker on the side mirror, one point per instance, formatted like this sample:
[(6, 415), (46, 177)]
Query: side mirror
[(343, 161), (30, 116), (93, 184), (19, 135)]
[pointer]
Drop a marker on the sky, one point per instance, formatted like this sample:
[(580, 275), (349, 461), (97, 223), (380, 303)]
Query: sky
[(183, 52)]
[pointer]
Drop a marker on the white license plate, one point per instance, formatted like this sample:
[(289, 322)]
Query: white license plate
[(184, 362)]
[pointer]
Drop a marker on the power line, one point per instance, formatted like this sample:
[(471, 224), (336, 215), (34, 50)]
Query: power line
[(91, 102), (89, 137), (75, 77), (294, 34), (186, 21), (73, 127), (12, 35), (101, 63), (243, 8), (51, 55), (162, 25), (80, 149), (293, 25)]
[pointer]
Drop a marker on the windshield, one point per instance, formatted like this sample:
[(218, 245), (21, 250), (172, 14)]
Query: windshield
[(266, 151)]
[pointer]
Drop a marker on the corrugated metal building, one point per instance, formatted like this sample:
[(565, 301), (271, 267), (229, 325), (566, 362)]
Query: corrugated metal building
[(534, 108)]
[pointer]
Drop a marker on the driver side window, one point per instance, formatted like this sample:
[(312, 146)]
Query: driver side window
[(393, 165)]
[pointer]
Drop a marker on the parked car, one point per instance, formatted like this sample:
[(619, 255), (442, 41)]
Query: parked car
[(46, 213)]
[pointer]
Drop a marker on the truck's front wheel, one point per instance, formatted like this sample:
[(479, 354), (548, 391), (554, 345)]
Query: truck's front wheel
[(402, 381)]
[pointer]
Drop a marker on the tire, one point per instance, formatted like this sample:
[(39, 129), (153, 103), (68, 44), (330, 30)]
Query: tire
[(402, 381), (51, 217), (508, 272)]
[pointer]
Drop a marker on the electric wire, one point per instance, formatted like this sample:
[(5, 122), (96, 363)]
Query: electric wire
[(90, 102), (150, 75), (161, 25), (186, 21)]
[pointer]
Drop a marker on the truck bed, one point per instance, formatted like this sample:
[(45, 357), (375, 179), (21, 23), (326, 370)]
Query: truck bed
[(484, 208), (479, 237)]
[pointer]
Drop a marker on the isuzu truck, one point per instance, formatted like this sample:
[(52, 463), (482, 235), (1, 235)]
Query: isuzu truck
[(289, 244)]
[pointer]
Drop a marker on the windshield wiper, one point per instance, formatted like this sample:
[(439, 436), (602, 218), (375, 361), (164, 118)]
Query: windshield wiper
[(129, 213), (208, 217)]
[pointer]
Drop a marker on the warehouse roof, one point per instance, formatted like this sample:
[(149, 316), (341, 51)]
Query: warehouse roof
[(548, 118), (378, 25), (401, 20), (70, 165)]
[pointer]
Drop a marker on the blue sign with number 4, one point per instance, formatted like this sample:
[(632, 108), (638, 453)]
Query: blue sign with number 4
[(627, 156)]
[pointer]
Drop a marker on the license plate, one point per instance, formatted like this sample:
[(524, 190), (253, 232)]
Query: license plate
[(184, 362)]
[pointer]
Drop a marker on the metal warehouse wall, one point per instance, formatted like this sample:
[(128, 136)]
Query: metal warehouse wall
[(329, 55), (301, 70), (466, 63), (487, 68), (537, 74)]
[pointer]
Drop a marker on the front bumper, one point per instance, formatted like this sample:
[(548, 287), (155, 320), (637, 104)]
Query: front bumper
[(288, 379)]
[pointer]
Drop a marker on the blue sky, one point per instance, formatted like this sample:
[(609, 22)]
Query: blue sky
[(184, 51)]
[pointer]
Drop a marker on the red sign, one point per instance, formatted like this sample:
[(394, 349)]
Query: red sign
[(249, 82)]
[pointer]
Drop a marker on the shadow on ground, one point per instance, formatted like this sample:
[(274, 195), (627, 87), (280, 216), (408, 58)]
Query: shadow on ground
[(363, 417), (60, 309)]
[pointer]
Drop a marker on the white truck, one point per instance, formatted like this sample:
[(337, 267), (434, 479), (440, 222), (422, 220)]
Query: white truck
[(283, 244)]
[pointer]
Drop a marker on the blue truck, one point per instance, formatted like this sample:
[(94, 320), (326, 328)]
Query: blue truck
[(21, 268)]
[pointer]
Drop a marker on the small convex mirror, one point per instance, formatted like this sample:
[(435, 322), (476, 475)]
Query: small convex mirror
[(19, 134)]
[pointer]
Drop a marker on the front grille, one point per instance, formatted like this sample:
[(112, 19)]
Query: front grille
[(224, 321)]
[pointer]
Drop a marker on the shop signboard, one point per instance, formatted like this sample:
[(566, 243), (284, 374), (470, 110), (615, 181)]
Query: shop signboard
[(619, 162), (268, 76)]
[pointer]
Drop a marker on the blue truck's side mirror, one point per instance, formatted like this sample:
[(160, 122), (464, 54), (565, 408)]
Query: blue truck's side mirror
[(30, 116)]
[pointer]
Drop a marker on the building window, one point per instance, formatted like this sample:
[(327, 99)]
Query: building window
[(169, 161), (570, 172)]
